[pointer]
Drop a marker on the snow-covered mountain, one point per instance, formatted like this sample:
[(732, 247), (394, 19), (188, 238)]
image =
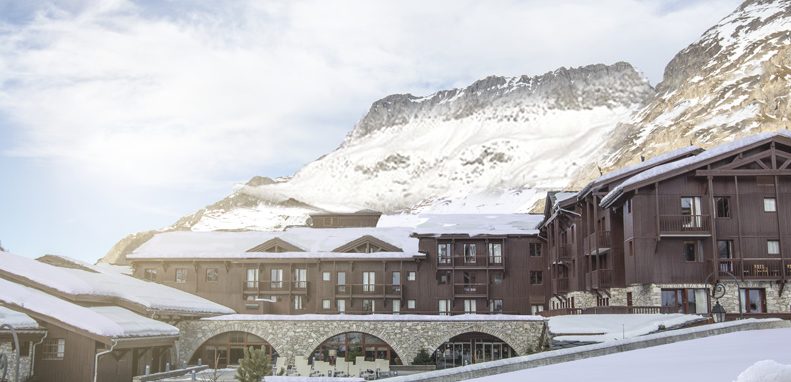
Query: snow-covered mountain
[(735, 80), (498, 144)]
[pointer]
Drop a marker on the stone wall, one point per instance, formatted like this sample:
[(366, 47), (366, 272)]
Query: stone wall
[(651, 295), (24, 365), (301, 337)]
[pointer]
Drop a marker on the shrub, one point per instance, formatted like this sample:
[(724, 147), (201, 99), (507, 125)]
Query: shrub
[(254, 366)]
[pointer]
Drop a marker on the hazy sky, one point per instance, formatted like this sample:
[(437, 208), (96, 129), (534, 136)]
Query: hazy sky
[(119, 116)]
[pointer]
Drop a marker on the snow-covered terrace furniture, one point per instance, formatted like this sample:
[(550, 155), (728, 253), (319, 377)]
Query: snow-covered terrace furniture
[(108, 288)]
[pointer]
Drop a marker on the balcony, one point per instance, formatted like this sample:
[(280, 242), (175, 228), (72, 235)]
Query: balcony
[(599, 279), (478, 261), (754, 268), (597, 240), (369, 290), (470, 290), (560, 285), (684, 225), (564, 252), (275, 287)]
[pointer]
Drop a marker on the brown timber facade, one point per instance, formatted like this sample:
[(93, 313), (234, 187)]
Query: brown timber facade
[(664, 233)]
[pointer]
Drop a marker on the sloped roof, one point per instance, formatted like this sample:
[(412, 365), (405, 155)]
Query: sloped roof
[(479, 224), (668, 169), (104, 321), (76, 284), (16, 319), (186, 244)]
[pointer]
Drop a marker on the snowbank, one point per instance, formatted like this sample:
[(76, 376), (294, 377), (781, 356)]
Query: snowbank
[(766, 371), (607, 327), (373, 317)]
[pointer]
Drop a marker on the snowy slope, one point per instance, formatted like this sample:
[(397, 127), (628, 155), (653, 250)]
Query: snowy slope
[(494, 146), (733, 81)]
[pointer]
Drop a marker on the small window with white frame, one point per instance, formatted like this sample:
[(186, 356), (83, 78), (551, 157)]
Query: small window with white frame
[(773, 247), (326, 304), (326, 276), (410, 304), (770, 205), (411, 276)]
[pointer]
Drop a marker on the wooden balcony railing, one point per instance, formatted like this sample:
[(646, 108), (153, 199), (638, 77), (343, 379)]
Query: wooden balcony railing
[(609, 310), (684, 224), (560, 285), (471, 261), (597, 240), (601, 278), (564, 252), (372, 290), (275, 286), (477, 289), (755, 268)]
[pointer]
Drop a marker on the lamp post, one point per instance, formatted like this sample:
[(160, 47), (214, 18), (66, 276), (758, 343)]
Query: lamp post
[(718, 312)]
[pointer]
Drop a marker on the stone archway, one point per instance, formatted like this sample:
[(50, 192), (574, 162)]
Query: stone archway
[(397, 346), (189, 345), (503, 335)]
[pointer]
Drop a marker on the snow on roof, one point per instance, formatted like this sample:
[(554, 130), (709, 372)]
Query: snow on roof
[(479, 224), (374, 317), (280, 255), (152, 296), (657, 160), (186, 244), (16, 319), (689, 161), (107, 321), (561, 197)]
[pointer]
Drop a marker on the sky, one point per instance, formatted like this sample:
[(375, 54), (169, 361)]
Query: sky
[(120, 116)]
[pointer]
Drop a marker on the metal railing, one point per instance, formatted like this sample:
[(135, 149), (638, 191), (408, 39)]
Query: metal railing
[(684, 224), (471, 261), (368, 289), (470, 289), (275, 286), (754, 268)]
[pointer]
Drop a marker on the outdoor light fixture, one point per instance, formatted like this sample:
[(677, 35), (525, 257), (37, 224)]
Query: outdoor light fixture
[(718, 312)]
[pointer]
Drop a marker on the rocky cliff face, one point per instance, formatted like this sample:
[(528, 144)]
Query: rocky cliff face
[(495, 145), (733, 81)]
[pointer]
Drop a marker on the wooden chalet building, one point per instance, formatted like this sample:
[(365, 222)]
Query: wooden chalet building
[(660, 233), (78, 323), (477, 266)]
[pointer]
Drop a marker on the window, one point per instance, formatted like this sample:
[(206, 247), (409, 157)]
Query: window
[(252, 277), (212, 275), (536, 277), (411, 276), (326, 304), (181, 275), (54, 349), (770, 205), (497, 278), (443, 278), (341, 281), (772, 247), (369, 281), (444, 252), (725, 250), (444, 307), (496, 306), (301, 278), (396, 278), (691, 251), (396, 306), (469, 253), (689, 301), (410, 304), (536, 309), (341, 305), (150, 274), (297, 302), (326, 276), (535, 249), (723, 206), (369, 305), (496, 253), (690, 206), (276, 278), (753, 300), (470, 306)]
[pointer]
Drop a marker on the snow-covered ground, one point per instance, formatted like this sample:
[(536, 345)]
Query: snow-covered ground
[(717, 358), (608, 327)]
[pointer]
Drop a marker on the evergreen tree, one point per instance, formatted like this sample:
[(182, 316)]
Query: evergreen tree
[(423, 358), (254, 366)]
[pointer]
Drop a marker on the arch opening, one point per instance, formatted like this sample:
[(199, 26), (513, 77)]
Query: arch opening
[(227, 349), (348, 346), (469, 348)]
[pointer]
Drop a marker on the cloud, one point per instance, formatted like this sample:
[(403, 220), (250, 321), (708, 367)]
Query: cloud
[(182, 94)]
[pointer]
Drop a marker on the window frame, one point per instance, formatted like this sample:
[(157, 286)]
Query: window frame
[(180, 272), (769, 246), (718, 206), (326, 276), (536, 281), (495, 258), (773, 204), (411, 276), (54, 349), (534, 250), (150, 274), (216, 272), (444, 253)]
